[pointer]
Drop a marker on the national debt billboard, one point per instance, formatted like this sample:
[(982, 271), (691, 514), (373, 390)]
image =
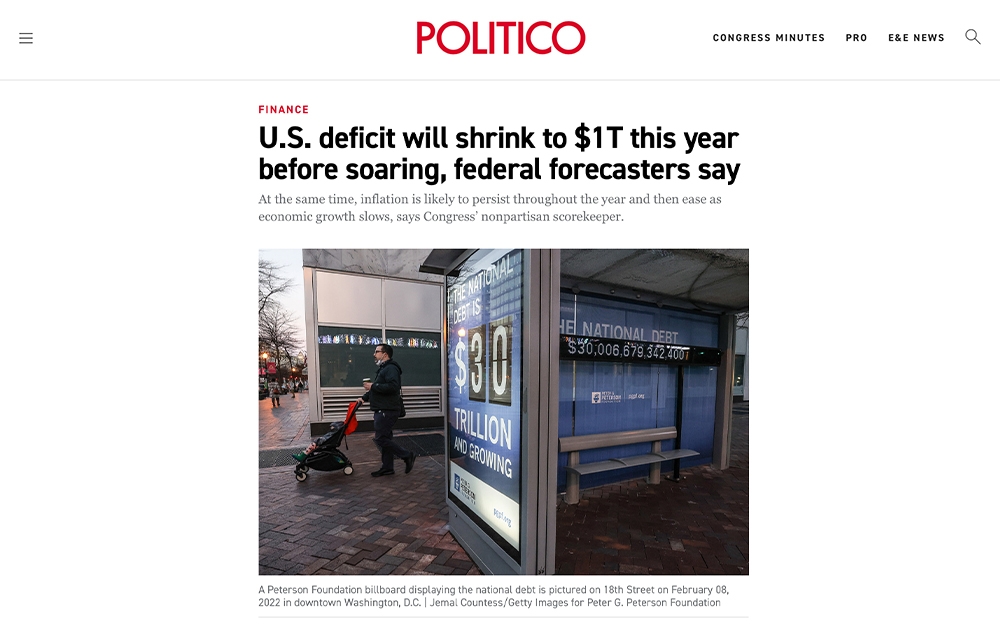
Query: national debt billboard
[(485, 311)]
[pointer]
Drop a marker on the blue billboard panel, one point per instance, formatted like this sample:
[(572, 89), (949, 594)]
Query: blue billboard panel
[(587, 315), (485, 312), (619, 370)]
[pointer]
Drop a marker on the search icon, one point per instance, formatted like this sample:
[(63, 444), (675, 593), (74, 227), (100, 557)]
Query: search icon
[(971, 35)]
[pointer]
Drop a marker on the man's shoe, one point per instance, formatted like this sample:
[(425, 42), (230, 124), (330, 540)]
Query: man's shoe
[(382, 472), (409, 461)]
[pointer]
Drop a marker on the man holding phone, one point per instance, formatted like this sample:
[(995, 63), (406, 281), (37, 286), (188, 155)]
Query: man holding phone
[(384, 395)]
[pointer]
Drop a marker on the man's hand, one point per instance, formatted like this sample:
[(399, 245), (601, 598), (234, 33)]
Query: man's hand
[(367, 385), (361, 402)]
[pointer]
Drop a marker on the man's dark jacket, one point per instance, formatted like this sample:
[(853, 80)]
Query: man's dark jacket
[(384, 394)]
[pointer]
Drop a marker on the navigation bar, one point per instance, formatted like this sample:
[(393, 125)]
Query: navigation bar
[(519, 40)]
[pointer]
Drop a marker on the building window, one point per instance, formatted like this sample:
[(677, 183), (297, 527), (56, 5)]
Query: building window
[(346, 355), (418, 354)]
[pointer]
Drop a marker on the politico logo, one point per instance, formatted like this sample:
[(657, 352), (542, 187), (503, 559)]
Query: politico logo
[(539, 37)]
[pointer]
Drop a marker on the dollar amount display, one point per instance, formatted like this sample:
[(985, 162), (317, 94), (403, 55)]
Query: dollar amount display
[(471, 363), (616, 350), (477, 372), (587, 136)]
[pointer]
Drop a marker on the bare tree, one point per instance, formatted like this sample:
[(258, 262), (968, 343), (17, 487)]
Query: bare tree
[(276, 334), (270, 283), (743, 319)]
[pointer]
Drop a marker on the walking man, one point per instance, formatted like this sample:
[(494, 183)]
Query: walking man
[(383, 393)]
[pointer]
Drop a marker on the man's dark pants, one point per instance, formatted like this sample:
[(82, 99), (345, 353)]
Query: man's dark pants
[(384, 422)]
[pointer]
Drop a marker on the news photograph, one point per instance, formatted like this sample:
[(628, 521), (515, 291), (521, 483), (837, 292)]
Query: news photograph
[(503, 412)]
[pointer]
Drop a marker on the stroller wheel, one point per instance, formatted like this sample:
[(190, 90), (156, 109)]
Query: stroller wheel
[(301, 476), (348, 470)]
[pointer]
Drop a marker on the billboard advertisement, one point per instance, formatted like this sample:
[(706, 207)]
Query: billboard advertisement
[(485, 312)]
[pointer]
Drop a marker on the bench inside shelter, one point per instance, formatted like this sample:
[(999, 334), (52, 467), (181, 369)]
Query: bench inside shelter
[(573, 445)]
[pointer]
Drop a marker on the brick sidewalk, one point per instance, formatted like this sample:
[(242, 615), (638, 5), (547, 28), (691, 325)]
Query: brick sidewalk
[(698, 526), (356, 524), (338, 524), (286, 425)]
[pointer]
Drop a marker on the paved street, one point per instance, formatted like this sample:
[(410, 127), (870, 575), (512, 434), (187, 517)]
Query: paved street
[(333, 524)]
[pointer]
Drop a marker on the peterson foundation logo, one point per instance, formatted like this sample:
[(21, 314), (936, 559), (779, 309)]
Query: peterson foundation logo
[(605, 397), (462, 488)]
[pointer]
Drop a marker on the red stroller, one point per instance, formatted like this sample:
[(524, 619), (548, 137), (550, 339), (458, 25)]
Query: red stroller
[(327, 455)]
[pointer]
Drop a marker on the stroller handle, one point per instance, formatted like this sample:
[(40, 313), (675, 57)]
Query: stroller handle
[(351, 420)]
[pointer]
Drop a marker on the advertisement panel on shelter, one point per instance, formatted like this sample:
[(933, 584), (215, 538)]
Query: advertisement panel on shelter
[(485, 311)]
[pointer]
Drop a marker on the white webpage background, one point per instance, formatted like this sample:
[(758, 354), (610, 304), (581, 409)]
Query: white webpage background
[(866, 194)]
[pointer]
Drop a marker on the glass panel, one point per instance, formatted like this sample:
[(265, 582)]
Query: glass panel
[(485, 314), (346, 355), (590, 315), (418, 355), (411, 305), (698, 413), (348, 300)]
